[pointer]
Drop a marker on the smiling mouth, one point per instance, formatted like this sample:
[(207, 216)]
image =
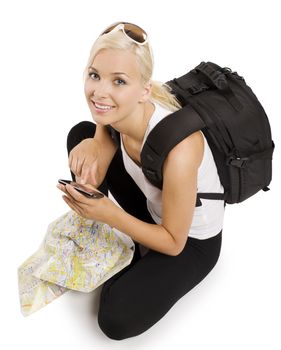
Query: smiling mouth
[(102, 107)]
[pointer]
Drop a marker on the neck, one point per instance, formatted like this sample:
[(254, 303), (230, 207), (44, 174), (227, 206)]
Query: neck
[(135, 128)]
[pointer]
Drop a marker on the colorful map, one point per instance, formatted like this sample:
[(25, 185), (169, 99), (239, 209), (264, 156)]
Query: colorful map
[(76, 253)]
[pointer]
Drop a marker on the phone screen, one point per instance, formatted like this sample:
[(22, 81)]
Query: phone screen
[(86, 191)]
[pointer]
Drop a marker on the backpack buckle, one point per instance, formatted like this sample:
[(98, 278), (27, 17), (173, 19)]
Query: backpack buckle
[(217, 78), (237, 161), (196, 89)]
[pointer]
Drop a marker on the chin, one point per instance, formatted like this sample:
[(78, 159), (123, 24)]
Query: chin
[(100, 121)]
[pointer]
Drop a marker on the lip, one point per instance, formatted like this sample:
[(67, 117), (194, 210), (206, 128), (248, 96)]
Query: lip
[(102, 104), (101, 111)]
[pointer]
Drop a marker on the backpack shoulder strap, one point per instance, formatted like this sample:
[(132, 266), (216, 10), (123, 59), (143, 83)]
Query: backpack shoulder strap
[(164, 137), (114, 135)]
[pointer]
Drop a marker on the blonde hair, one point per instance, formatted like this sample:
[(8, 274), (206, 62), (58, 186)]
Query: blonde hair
[(160, 92)]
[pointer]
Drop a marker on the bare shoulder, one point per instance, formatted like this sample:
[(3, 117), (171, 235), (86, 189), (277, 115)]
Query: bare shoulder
[(189, 151)]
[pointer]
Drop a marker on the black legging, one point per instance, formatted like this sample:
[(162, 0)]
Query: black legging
[(138, 296)]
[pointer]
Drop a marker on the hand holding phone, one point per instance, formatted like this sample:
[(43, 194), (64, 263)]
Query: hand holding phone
[(86, 191)]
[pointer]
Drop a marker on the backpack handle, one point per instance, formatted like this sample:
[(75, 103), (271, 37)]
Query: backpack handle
[(217, 78)]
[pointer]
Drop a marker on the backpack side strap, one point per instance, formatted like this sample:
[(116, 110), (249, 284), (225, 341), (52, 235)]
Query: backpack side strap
[(217, 196)]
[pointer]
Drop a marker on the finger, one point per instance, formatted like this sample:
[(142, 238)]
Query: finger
[(89, 174), (78, 179), (92, 187), (72, 205), (73, 167), (93, 174), (61, 187), (79, 166), (78, 205), (78, 197), (85, 174), (76, 167)]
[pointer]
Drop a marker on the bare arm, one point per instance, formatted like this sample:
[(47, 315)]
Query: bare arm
[(153, 236), (107, 150), (179, 198), (180, 187)]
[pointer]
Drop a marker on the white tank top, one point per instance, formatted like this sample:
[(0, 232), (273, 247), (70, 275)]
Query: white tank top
[(208, 218)]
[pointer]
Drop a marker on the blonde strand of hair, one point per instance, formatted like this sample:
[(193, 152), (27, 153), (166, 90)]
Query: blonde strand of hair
[(162, 94)]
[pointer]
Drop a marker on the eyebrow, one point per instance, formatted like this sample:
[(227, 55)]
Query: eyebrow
[(94, 69)]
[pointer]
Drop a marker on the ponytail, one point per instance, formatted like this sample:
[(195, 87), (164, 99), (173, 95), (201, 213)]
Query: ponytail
[(161, 93)]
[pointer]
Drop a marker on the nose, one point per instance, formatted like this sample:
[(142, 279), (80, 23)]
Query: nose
[(101, 90)]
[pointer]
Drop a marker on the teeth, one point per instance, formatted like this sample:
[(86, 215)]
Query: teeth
[(103, 107)]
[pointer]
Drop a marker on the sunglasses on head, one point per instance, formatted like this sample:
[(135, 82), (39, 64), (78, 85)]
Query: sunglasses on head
[(132, 31)]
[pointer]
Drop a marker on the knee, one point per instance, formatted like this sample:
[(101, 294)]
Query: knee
[(115, 326), (79, 132)]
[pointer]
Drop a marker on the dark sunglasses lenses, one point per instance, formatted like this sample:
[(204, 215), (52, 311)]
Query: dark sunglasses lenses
[(133, 31)]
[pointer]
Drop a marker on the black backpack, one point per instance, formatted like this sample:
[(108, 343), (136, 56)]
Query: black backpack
[(218, 102)]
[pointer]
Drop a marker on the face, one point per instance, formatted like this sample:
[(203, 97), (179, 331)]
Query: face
[(113, 87)]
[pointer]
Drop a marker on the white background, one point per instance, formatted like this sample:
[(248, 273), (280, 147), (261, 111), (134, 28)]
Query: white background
[(44, 48)]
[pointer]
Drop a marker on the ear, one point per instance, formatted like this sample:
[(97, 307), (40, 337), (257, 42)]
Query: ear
[(146, 92)]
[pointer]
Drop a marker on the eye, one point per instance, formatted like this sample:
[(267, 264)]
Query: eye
[(94, 74), (120, 82)]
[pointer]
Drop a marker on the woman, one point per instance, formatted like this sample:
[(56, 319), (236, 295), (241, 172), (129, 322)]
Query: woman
[(177, 245)]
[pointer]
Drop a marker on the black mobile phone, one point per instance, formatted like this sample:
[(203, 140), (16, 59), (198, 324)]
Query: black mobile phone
[(86, 191)]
